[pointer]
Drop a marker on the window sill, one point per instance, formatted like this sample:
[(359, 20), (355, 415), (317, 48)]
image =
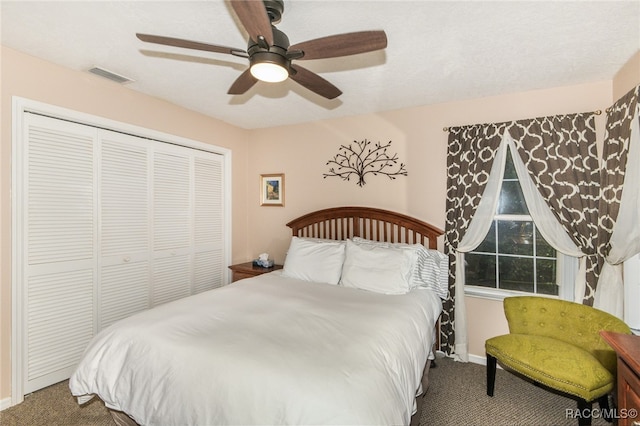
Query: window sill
[(493, 294)]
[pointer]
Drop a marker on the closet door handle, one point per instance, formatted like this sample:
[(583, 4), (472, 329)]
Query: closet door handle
[(126, 259)]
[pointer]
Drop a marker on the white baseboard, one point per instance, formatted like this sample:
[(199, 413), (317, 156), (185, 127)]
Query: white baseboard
[(5, 403), (477, 359)]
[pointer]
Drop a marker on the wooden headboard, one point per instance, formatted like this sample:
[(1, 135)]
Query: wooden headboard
[(341, 223)]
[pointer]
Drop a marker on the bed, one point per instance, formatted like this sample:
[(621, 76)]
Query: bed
[(343, 334)]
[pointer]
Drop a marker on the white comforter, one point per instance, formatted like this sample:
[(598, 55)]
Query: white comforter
[(264, 351)]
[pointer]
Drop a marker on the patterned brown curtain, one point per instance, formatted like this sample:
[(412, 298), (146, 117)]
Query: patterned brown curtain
[(614, 160), (618, 232), (470, 154), (561, 157)]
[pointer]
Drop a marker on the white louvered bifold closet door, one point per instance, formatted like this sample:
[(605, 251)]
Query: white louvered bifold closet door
[(208, 246), (58, 256), (187, 200), (125, 262), (115, 224), (171, 225)]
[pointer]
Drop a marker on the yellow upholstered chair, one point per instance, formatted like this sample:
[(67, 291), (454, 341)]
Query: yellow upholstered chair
[(557, 344)]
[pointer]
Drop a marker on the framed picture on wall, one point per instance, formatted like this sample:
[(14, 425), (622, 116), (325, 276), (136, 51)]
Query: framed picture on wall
[(272, 190)]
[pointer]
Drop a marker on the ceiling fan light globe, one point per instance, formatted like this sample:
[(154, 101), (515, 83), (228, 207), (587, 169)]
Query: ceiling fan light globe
[(269, 72)]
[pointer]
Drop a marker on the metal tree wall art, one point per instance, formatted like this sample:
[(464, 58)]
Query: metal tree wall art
[(360, 158)]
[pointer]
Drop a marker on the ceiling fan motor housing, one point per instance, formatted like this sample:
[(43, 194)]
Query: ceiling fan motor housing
[(276, 54)]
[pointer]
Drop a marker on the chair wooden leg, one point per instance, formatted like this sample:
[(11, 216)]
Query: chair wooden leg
[(584, 409), (491, 374)]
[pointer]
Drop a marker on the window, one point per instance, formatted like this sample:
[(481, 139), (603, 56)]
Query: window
[(513, 256)]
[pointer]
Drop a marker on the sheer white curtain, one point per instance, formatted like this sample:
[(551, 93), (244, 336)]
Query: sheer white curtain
[(476, 232), (546, 222), (625, 239), (471, 151), (560, 155)]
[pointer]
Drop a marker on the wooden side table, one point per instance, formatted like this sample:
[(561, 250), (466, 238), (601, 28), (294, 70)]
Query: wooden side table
[(627, 347), (248, 270)]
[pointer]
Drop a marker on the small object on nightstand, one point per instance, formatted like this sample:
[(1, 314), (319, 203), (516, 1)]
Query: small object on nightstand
[(248, 270), (263, 260)]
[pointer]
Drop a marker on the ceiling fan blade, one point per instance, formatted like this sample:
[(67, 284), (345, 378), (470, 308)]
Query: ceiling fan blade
[(243, 83), (314, 82), (342, 44), (254, 18), (188, 44)]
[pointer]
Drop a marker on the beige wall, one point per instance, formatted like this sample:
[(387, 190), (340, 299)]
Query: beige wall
[(42, 81), (627, 78), (417, 136)]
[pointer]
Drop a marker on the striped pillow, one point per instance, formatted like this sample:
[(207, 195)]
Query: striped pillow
[(431, 269)]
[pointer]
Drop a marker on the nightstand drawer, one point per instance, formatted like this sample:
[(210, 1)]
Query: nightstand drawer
[(238, 275)]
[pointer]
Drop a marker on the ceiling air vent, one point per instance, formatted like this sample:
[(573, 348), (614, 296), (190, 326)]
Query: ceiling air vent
[(120, 79)]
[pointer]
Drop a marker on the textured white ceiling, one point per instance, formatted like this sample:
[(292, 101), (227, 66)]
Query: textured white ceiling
[(438, 51)]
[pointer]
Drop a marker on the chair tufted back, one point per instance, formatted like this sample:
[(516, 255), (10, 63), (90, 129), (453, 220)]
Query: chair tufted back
[(577, 324)]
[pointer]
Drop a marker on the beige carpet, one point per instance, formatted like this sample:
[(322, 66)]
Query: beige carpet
[(456, 396), (54, 406)]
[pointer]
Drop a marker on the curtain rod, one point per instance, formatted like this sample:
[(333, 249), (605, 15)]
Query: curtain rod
[(596, 112)]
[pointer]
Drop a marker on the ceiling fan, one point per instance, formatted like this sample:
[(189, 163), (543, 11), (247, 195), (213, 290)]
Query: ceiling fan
[(270, 54)]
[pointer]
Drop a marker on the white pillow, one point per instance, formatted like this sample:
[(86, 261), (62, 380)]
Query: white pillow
[(314, 259), (431, 269), (377, 268)]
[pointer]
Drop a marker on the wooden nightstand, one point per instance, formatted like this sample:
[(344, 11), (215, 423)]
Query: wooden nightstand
[(627, 347), (248, 270)]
